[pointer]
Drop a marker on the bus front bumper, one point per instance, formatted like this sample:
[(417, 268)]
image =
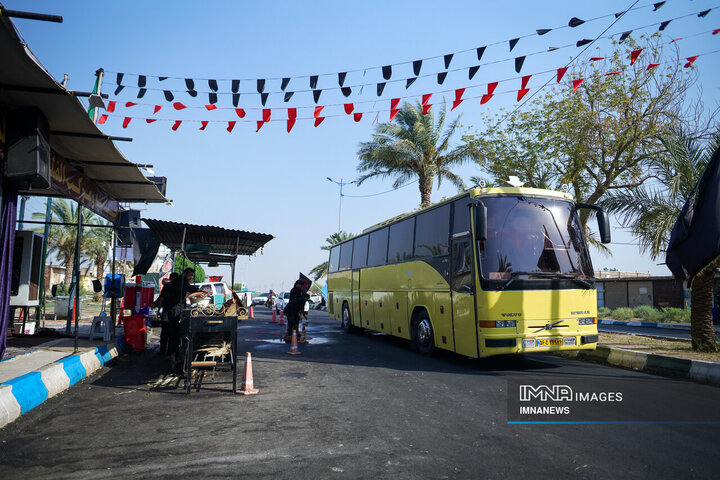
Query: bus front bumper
[(495, 345)]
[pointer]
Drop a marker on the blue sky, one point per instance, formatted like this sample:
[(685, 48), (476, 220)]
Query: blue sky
[(275, 182)]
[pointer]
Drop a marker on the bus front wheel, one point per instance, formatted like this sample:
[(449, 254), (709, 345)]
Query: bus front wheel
[(346, 324), (423, 334)]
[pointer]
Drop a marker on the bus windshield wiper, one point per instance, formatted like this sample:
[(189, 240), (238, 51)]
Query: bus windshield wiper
[(574, 278), (514, 275)]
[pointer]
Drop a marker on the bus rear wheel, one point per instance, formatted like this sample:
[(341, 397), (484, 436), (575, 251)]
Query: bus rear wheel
[(346, 324), (423, 334)]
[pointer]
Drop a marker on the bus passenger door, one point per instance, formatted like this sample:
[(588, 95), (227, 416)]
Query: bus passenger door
[(463, 297), (356, 315)]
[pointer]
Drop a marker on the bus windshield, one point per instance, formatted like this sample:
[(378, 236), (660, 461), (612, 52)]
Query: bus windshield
[(533, 237)]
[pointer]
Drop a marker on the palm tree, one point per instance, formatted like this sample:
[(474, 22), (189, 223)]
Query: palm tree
[(97, 245), (650, 213), (322, 270), (414, 146)]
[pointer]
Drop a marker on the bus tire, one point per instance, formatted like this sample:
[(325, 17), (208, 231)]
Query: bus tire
[(423, 336), (346, 320)]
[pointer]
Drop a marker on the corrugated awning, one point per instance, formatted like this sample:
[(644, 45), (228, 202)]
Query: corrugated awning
[(24, 82), (219, 240)]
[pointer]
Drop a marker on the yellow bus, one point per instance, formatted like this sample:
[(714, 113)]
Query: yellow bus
[(491, 271)]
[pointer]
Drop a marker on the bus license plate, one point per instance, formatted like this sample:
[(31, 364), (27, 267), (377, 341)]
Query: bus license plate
[(547, 342)]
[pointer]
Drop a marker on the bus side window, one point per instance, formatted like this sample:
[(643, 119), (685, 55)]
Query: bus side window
[(462, 266)]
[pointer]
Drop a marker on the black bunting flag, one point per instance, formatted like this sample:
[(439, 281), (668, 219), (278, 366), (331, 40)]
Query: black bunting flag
[(417, 65), (472, 71), (316, 95), (582, 42), (543, 31), (162, 79), (168, 95), (441, 77), (142, 80), (119, 78), (574, 22), (341, 78), (190, 83), (235, 99), (288, 96), (263, 98), (284, 83), (235, 86), (119, 89), (409, 82), (619, 14), (552, 49), (387, 72), (141, 92), (657, 6), (212, 98), (625, 35), (213, 85), (513, 42), (664, 25), (519, 63), (346, 91), (480, 51), (703, 13), (192, 93), (380, 88), (448, 58), (261, 85), (313, 81)]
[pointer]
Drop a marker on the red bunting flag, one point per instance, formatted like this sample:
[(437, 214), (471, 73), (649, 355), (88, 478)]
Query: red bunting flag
[(157, 109), (617, 72), (349, 107), (426, 98), (577, 83), (634, 55), (126, 122), (103, 118), (150, 120), (491, 87), (266, 114), (394, 107), (716, 31), (357, 116), (652, 65), (485, 98), (211, 107), (240, 112), (521, 93), (525, 81), (231, 125), (260, 123), (203, 124), (595, 59), (426, 108), (316, 114), (176, 125), (561, 73), (178, 106), (690, 61), (319, 120), (292, 115), (130, 104), (111, 106), (677, 39), (458, 98)]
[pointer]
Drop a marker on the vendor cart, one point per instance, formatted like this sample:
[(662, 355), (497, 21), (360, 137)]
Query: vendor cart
[(208, 343)]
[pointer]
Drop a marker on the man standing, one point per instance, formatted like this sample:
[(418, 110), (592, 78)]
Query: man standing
[(174, 301)]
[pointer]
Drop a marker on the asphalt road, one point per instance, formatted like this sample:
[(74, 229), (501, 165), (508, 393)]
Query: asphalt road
[(654, 332), (350, 406)]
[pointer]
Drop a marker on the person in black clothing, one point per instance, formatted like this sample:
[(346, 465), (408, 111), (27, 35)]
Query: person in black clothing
[(159, 302), (292, 312), (177, 291)]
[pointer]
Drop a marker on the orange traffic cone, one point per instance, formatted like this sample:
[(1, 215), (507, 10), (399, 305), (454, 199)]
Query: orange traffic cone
[(251, 314), (247, 381), (274, 317), (282, 318), (303, 338), (293, 344)]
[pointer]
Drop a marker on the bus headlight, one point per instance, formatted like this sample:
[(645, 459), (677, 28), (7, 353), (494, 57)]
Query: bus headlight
[(505, 323), (587, 321)]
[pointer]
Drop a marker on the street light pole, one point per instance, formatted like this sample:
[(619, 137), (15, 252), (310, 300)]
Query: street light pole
[(341, 183)]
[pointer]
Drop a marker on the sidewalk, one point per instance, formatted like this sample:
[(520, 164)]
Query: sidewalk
[(29, 375)]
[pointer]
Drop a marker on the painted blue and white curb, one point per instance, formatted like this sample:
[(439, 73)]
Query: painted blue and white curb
[(676, 326), (23, 393)]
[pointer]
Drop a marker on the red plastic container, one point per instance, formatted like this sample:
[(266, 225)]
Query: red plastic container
[(147, 292), (135, 332)]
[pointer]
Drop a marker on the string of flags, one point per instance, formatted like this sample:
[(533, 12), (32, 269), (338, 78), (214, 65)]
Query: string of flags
[(261, 85), (318, 115)]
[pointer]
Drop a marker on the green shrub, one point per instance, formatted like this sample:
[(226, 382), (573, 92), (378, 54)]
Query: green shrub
[(603, 312), (671, 314), (623, 313), (648, 313)]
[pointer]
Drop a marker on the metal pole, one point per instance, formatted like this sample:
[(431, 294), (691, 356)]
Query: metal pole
[(113, 300), (46, 234), (23, 199), (100, 73), (76, 309), (340, 209)]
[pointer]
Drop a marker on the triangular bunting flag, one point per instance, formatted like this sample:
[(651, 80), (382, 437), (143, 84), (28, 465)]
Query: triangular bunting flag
[(394, 107), (319, 120), (156, 109), (387, 72), (130, 104), (577, 83), (409, 82), (357, 116), (525, 81), (574, 22), (190, 83), (652, 65), (690, 61), (480, 51), (425, 109), (212, 97), (448, 58), (664, 25), (380, 88), (103, 118), (178, 106), (513, 42), (703, 13), (458, 98), (472, 71), (118, 90), (141, 92), (313, 81), (235, 86), (231, 125), (213, 85), (491, 87), (119, 78), (441, 77), (426, 98), (210, 107), (552, 49), (521, 93), (235, 99), (634, 55), (260, 123), (176, 125), (111, 106), (595, 59), (263, 98), (290, 124), (417, 65), (288, 96), (260, 85), (142, 80), (192, 93), (240, 112), (318, 110), (292, 116), (582, 42), (657, 6), (561, 73), (619, 14), (341, 78), (519, 63), (349, 107), (266, 114), (625, 35), (150, 120), (203, 124), (316, 95), (168, 95), (716, 31), (346, 91), (617, 72), (284, 83), (485, 98), (543, 31)]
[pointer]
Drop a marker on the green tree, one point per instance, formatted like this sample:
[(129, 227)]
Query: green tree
[(650, 212), (181, 263), (413, 146), (322, 270), (602, 138)]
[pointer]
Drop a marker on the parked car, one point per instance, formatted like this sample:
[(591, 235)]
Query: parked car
[(282, 299), (259, 299), (315, 299)]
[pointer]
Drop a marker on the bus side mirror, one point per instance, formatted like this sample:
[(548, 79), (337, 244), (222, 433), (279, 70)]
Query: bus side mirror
[(480, 221), (602, 218)]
